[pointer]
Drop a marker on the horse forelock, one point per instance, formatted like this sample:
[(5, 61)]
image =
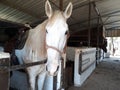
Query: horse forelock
[(57, 15)]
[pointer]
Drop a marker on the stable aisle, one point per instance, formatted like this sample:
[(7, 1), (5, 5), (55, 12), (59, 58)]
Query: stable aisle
[(106, 76)]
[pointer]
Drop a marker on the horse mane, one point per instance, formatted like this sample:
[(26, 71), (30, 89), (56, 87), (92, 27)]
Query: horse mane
[(36, 40)]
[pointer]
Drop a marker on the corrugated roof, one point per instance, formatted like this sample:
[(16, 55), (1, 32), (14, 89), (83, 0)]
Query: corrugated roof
[(22, 11)]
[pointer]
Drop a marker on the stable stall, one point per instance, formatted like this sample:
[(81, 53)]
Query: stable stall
[(84, 62), (4, 74)]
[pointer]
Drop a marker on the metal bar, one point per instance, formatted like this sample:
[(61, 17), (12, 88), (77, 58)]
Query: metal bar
[(17, 67)]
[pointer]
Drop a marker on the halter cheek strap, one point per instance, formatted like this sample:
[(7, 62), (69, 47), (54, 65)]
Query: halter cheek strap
[(54, 48)]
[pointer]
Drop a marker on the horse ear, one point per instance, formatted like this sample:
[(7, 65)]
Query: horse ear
[(48, 9), (68, 10)]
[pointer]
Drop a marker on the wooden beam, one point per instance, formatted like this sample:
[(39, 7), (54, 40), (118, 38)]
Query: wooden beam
[(61, 5)]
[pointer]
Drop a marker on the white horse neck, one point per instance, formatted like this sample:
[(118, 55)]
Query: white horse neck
[(36, 40)]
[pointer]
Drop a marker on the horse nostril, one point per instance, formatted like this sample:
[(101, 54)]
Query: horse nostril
[(57, 68), (55, 73)]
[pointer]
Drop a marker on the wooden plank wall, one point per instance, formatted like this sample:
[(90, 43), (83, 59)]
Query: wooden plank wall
[(112, 33), (80, 38)]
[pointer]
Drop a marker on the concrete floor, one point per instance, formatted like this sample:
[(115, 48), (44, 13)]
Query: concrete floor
[(105, 77)]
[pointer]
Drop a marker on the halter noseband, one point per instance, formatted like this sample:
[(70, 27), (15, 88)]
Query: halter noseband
[(54, 48)]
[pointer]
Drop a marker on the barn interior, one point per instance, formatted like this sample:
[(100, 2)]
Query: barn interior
[(93, 23), (101, 15)]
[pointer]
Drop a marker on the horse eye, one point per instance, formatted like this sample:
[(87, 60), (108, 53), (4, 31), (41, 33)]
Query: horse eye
[(66, 32)]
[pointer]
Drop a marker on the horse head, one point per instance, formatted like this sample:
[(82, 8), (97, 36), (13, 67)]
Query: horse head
[(56, 36)]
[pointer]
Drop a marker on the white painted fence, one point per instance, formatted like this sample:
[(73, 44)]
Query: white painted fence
[(84, 63)]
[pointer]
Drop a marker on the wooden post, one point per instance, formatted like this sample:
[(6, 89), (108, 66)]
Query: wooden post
[(98, 26), (61, 4), (4, 72), (89, 26)]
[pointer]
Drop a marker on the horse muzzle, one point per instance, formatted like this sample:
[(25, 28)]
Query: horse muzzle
[(52, 73)]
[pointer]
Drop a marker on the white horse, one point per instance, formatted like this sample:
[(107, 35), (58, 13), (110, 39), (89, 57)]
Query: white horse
[(47, 40)]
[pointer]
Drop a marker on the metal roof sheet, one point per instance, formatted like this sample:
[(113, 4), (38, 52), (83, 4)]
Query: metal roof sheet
[(22, 11)]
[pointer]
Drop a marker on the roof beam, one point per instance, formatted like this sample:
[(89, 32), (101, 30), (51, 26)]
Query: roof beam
[(112, 22), (105, 15), (114, 27), (86, 2), (111, 13)]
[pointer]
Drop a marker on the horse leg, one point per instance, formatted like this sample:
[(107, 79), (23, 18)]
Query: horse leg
[(41, 79), (32, 79)]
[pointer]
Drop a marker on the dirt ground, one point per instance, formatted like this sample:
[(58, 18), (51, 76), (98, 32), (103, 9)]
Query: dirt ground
[(106, 76)]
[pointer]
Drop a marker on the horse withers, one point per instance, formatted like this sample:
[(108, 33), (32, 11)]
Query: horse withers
[(47, 40)]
